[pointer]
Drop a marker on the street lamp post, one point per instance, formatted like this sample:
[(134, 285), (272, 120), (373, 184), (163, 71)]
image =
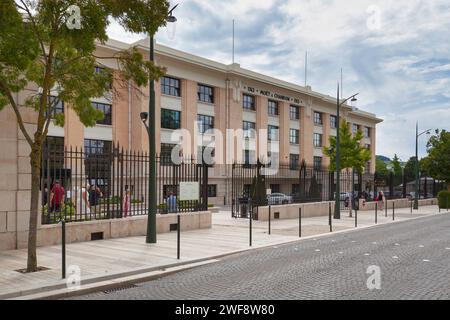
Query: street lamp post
[(416, 195), (337, 211), (151, 130)]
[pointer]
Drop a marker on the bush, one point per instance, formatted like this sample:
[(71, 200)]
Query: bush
[(444, 199)]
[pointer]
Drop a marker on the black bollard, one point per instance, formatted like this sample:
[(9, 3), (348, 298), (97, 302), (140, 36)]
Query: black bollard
[(270, 215), (393, 211), (330, 220), (299, 222), (178, 236), (386, 208), (63, 247), (356, 218), (376, 213)]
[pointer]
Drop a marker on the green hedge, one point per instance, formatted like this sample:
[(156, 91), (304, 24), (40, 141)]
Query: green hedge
[(444, 199)]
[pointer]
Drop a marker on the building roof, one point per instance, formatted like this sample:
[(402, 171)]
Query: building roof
[(232, 69)]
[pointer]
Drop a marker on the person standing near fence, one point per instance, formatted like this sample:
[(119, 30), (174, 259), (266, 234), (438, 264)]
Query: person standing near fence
[(95, 194), (57, 194), (126, 202), (172, 203), (381, 200)]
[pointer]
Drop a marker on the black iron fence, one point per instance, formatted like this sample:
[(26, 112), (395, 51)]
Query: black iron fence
[(398, 186), (259, 184), (288, 183), (81, 185)]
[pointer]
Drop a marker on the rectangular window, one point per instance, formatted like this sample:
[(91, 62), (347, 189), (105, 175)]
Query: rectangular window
[(317, 140), (273, 108), (207, 154), (166, 153), (56, 105), (294, 112), (275, 188), (366, 132), (294, 136), (205, 123), (273, 133), (317, 163), (249, 129), (170, 119), (273, 158), (205, 93), (333, 122), (107, 111), (248, 102), (249, 157), (294, 160), (212, 190), (170, 86), (355, 129), (101, 147), (102, 71), (318, 120)]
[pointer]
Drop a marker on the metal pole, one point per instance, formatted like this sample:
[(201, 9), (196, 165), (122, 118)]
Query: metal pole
[(178, 236), (270, 214), (330, 220), (356, 218), (152, 208), (63, 251), (299, 222), (376, 213), (251, 220), (386, 208), (337, 212), (393, 210), (416, 196)]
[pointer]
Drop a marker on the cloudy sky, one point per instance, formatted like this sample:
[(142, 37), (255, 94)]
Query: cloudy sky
[(396, 53)]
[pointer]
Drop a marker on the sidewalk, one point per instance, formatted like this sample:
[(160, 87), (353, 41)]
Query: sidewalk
[(120, 258)]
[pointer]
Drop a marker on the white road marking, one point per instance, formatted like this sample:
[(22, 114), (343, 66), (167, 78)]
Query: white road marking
[(317, 250), (397, 244), (447, 248), (394, 257), (425, 260), (353, 241), (421, 246), (374, 243), (367, 254), (341, 252)]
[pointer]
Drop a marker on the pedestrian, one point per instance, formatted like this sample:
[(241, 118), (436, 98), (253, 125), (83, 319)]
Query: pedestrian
[(172, 203), (95, 194), (380, 199), (126, 202), (57, 194)]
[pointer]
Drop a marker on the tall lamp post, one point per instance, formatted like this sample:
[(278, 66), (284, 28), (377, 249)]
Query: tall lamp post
[(151, 130), (340, 102), (416, 195)]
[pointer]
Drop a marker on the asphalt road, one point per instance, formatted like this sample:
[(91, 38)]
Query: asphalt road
[(413, 259)]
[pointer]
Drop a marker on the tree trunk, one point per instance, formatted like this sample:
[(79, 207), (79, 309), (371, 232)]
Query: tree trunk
[(35, 161)]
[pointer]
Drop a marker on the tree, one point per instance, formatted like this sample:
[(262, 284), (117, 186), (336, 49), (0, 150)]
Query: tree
[(352, 154), (438, 160), (396, 166), (381, 167), (42, 46)]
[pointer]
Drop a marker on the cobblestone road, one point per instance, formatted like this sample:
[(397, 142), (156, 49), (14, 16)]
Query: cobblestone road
[(414, 257)]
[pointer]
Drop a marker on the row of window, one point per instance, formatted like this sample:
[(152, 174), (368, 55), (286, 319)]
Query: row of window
[(58, 108), (172, 87), (318, 120)]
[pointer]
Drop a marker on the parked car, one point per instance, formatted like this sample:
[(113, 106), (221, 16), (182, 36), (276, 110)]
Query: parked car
[(278, 198)]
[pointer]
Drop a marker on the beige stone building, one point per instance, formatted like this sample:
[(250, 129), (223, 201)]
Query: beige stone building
[(219, 96)]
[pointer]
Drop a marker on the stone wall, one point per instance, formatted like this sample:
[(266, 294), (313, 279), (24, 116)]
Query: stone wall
[(49, 235), (291, 211)]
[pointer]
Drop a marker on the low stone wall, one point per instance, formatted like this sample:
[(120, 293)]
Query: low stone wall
[(399, 203), (49, 235), (290, 211)]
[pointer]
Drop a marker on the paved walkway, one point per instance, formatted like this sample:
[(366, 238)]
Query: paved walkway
[(108, 259)]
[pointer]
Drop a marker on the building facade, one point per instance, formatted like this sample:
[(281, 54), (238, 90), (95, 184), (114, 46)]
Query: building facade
[(196, 94)]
